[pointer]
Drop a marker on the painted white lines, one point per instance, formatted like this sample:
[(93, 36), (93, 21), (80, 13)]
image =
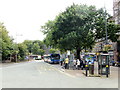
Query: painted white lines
[(63, 72)]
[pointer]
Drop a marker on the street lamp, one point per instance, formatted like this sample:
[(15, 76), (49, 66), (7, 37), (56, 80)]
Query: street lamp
[(16, 43), (105, 16), (106, 29)]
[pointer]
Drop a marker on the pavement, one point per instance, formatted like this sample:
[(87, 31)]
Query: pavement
[(79, 73), (11, 63)]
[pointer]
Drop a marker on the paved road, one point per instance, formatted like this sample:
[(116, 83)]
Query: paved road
[(38, 74)]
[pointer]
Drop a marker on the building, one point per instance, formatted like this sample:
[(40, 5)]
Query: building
[(116, 15), (116, 11)]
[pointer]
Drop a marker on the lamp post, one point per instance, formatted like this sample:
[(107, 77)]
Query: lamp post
[(105, 14), (106, 32), (16, 43)]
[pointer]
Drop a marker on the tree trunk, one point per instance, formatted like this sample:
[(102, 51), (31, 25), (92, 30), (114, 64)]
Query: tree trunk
[(78, 54)]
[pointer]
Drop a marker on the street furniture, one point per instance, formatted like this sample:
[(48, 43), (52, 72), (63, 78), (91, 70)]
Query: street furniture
[(86, 68), (103, 64), (91, 66)]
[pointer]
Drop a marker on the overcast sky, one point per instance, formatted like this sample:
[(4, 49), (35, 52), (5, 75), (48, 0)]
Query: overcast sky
[(23, 18)]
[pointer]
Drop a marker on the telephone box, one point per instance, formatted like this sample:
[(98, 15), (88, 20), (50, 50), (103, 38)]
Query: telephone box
[(103, 64)]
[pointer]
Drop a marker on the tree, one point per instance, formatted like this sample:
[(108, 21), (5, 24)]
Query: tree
[(40, 43), (22, 51), (5, 42), (112, 30), (103, 23), (47, 29), (35, 47), (53, 51), (41, 52), (78, 27), (72, 28), (29, 45)]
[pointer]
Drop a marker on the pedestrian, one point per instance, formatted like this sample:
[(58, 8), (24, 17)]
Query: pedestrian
[(84, 62), (113, 62), (74, 64), (61, 61), (66, 63), (81, 64), (78, 64), (63, 64)]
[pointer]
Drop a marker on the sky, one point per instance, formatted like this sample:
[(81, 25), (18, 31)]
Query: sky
[(24, 18)]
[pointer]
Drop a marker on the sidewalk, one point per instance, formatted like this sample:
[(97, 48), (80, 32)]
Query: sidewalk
[(79, 73), (76, 73), (11, 63)]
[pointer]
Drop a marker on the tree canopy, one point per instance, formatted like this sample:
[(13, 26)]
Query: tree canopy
[(78, 27), (8, 48), (5, 42), (35, 46)]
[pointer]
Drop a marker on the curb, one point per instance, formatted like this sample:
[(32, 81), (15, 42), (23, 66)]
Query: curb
[(92, 75)]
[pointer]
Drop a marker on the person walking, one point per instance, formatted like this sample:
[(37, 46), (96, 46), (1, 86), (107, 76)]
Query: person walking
[(78, 64), (61, 61), (66, 63), (74, 64), (84, 62), (81, 64)]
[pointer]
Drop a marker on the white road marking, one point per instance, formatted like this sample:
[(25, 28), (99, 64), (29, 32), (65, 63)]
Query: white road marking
[(51, 67), (63, 72)]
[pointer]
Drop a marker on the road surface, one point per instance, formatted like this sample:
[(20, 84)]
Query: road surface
[(38, 74)]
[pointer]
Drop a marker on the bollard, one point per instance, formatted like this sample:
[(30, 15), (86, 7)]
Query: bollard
[(107, 67), (86, 70)]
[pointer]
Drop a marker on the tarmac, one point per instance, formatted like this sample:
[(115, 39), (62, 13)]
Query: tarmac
[(77, 73)]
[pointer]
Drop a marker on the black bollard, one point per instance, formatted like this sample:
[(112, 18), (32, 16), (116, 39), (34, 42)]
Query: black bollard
[(86, 66), (107, 68)]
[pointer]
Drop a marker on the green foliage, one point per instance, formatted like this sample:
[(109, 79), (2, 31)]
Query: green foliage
[(22, 50), (102, 24), (40, 43), (112, 30), (29, 45), (78, 27), (71, 28), (9, 48), (53, 51), (5, 42), (35, 47), (41, 52)]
